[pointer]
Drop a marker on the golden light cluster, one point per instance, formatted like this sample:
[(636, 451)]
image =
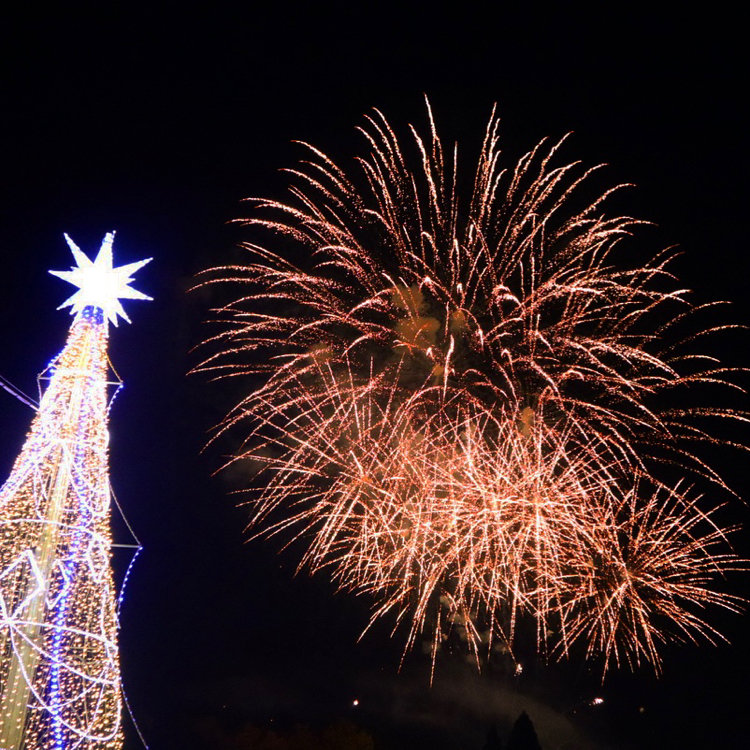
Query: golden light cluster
[(59, 663)]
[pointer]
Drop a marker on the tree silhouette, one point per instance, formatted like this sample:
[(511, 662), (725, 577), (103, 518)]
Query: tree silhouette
[(523, 736)]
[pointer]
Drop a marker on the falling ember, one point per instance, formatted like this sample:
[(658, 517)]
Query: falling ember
[(464, 407)]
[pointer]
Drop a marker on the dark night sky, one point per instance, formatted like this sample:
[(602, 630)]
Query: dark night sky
[(157, 123)]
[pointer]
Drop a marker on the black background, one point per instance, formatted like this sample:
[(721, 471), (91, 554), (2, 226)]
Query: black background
[(156, 122)]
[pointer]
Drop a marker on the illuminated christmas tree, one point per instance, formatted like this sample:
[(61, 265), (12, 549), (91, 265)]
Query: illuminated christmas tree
[(59, 665)]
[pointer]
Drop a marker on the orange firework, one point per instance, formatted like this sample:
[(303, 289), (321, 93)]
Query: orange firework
[(461, 406)]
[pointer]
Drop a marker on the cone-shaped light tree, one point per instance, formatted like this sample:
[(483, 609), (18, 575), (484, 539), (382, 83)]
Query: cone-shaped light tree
[(59, 666)]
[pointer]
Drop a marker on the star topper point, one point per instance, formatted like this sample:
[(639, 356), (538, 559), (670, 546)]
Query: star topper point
[(99, 283)]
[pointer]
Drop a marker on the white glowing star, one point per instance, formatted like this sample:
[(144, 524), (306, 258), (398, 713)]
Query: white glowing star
[(99, 284)]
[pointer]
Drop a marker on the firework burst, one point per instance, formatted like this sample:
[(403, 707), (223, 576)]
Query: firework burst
[(462, 407)]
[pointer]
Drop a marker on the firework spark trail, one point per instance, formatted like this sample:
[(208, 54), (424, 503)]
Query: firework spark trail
[(462, 409), (653, 564)]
